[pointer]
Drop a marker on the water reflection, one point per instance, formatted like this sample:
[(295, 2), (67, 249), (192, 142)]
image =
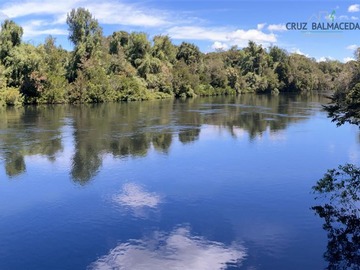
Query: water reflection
[(176, 250), (29, 131), (124, 130), (340, 211)]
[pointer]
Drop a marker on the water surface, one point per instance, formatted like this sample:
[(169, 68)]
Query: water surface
[(207, 183)]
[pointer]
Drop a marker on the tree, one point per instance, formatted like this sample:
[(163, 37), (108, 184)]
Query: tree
[(137, 48), (163, 49), (86, 34), (10, 36), (189, 53), (55, 59), (344, 107), (83, 28), (117, 40)]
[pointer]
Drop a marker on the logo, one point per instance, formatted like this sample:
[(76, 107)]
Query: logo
[(323, 22), (332, 16)]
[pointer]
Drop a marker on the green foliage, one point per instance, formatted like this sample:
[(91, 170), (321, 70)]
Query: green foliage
[(86, 34), (11, 96), (10, 37), (118, 40), (345, 106), (129, 88), (189, 53), (55, 85), (83, 29), (138, 47), (184, 81), (163, 49), (127, 66), (24, 70), (92, 84)]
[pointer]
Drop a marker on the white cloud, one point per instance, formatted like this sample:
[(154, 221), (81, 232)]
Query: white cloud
[(177, 250), (348, 59), (277, 27), (217, 45), (352, 47), (354, 18), (36, 7), (354, 8), (239, 37), (198, 33), (121, 13), (135, 196), (324, 59), (109, 12), (41, 27), (298, 51), (125, 14), (260, 26)]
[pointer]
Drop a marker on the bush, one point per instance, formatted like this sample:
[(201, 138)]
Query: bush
[(12, 97)]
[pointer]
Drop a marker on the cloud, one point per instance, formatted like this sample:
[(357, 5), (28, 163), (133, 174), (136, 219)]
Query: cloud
[(109, 12), (298, 51), (324, 59), (348, 59), (217, 45), (352, 47), (40, 27), (239, 37), (36, 7), (177, 250), (134, 196), (354, 18), (277, 27), (354, 8), (126, 14), (197, 33), (260, 26)]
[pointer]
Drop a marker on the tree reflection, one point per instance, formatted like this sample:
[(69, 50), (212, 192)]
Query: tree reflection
[(162, 141), (340, 192), (29, 131), (131, 129)]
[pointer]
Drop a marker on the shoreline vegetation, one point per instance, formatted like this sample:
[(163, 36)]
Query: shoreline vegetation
[(129, 67)]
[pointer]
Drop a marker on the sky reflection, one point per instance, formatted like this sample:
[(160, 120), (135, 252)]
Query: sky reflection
[(177, 250), (134, 196), (135, 199)]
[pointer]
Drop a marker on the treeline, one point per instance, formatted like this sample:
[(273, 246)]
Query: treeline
[(127, 66)]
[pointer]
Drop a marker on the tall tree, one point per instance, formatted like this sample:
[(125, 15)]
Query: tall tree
[(86, 34), (10, 36), (188, 52)]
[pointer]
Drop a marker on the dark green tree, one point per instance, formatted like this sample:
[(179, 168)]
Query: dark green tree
[(10, 36), (189, 53), (86, 34)]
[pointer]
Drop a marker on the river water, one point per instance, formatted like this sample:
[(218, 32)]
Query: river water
[(206, 183)]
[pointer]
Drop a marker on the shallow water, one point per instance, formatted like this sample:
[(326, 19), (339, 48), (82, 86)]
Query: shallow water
[(207, 183)]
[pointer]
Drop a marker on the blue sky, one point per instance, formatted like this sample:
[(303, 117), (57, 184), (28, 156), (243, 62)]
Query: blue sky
[(209, 24)]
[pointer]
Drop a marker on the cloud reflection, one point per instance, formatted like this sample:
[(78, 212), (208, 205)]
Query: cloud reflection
[(177, 250), (134, 196)]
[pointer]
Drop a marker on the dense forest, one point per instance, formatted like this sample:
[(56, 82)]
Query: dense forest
[(128, 66)]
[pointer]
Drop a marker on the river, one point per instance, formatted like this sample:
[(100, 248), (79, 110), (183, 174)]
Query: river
[(206, 183)]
